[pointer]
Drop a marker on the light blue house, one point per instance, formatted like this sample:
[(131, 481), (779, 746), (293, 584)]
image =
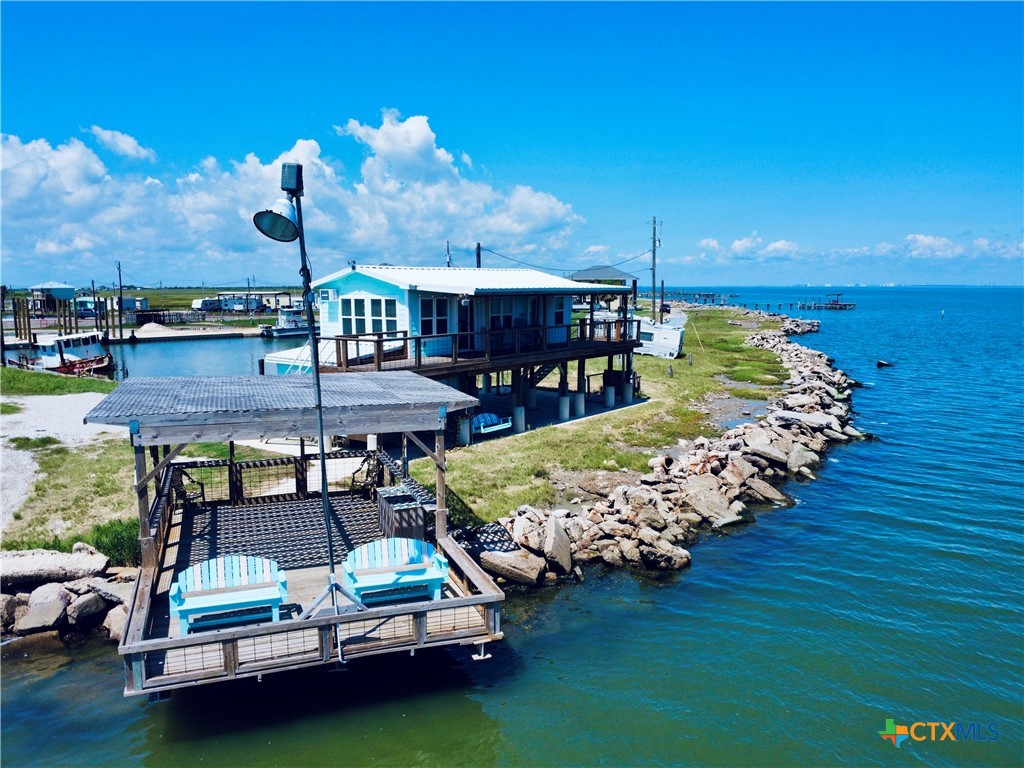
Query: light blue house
[(457, 324)]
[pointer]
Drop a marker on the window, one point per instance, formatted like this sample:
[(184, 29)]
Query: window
[(501, 313), (382, 316), (433, 316), (560, 310)]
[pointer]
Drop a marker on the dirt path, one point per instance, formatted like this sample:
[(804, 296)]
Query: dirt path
[(58, 416)]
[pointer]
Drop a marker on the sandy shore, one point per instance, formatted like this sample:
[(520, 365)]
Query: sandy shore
[(58, 416)]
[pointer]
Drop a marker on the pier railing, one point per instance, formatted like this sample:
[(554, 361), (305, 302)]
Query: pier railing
[(470, 616)]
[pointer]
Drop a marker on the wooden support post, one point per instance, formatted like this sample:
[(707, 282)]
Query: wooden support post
[(147, 545), (441, 514), (581, 387), (518, 406), (234, 477)]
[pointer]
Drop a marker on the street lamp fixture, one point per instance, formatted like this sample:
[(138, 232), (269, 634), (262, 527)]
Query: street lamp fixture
[(283, 222)]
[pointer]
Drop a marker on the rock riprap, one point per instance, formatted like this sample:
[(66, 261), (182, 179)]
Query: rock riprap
[(711, 484)]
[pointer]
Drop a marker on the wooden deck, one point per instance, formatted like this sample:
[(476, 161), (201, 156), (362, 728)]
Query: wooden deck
[(159, 658)]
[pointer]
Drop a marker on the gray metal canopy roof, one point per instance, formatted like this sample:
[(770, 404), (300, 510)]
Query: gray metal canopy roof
[(222, 408), (601, 272)]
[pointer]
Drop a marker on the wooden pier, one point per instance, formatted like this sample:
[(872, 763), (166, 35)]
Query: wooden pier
[(266, 508), (832, 301)]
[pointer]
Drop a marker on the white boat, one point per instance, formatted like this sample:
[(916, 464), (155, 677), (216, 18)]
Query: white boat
[(291, 321), (78, 354), (297, 360), (663, 339), (658, 339)]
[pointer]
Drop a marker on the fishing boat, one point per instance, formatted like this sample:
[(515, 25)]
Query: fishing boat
[(291, 321), (77, 354)]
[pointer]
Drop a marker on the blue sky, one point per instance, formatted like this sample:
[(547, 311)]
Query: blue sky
[(775, 143)]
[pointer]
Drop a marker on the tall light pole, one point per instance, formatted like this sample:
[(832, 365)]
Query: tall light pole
[(283, 222)]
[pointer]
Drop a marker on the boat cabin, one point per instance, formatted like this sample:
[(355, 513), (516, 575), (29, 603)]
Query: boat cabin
[(235, 578)]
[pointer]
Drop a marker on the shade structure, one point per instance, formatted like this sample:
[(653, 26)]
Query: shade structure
[(278, 222)]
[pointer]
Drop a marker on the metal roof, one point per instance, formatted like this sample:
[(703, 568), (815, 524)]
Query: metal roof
[(466, 281), (222, 408), (601, 272)]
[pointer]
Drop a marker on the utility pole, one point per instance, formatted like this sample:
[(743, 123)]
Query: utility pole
[(448, 252), (120, 308), (654, 266), (478, 255)]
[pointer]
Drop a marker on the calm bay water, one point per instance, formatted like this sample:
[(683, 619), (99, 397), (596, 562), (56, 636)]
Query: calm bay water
[(892, 589)]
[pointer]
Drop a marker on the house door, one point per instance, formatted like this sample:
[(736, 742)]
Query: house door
[(466, 325)]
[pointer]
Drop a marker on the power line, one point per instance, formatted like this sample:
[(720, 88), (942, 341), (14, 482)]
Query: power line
[(524, 263)]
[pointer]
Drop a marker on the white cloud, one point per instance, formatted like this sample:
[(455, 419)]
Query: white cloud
[(746, 244), (781, 247), (467, 161), (932, 247), (122, 144), (65, 212), (709, 244)]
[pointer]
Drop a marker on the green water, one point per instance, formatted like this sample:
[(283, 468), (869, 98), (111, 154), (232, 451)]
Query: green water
[(894, 588)]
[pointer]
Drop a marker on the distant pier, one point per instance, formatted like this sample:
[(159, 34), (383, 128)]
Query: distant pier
[(832, 301)]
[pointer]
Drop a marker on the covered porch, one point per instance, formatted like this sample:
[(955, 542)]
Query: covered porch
[(210, 510)]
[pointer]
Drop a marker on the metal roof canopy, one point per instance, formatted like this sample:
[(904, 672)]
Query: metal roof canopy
[(226, 408), (467, 281)]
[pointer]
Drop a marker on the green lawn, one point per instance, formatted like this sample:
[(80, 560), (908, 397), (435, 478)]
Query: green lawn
[(490, 479), (14, 381)]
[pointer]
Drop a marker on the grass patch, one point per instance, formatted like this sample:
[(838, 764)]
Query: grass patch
[(488, 480), (9, 409), (75, 490), (14, 381), (117, 539)]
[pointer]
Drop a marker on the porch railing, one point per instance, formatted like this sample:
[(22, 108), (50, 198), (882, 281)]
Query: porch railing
[(399, 349)]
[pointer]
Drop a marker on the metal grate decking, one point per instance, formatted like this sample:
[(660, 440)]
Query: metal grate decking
[(290, 532)]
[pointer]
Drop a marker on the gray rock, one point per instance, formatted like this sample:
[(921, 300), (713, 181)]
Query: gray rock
[(613, 556), (556, 546), (648, 536), (113, 591), (7, 605), (527, 533), (40, 566), (737, 471), (630, 551), (770, 452), (42, 617), (519, 566), (651, 518), (50, 593), (86, 610), (818, 421), (703, 495), (802, 457), (766, 490), (114, 623), (664, 556)]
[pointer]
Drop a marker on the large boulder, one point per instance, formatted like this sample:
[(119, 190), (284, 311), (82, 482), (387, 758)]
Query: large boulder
[(86, 611), (664, 556), (114, 623), (817, 421), (702, 494), (518, 566), (557, 546), (7, 605), (47, 610), (768, 491), (802, 457), (41, 566)]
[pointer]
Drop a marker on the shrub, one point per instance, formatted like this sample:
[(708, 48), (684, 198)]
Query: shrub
[(118, 540)]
